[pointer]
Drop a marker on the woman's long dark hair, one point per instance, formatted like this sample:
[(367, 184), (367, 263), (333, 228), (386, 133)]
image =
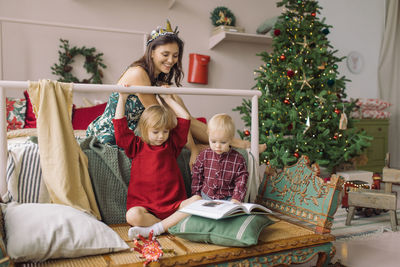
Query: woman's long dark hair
[(146, 61)]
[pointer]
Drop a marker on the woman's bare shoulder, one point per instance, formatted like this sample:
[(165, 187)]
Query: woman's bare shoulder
[(135, 76)]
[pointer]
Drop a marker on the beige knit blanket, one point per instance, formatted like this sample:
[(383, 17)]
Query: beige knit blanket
[(64, 165)]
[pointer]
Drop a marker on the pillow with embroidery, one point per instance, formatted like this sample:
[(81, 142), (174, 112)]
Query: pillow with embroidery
[(16, 108)]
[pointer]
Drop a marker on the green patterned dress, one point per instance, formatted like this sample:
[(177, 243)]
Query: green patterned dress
[(103, 128)]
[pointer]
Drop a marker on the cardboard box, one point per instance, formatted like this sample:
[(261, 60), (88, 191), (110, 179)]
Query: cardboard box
[(365, 176)]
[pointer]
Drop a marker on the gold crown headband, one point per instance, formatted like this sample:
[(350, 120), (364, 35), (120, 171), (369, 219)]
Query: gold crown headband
[(160, 32)]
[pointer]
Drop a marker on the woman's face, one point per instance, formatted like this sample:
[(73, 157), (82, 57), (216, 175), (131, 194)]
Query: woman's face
[(165, 57)]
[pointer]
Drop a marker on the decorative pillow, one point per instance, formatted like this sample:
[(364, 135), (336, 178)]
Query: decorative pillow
[(37, 232), (238, 231), (30, 118), (15, 113), (267, 25), (24, 175), (82, 117)]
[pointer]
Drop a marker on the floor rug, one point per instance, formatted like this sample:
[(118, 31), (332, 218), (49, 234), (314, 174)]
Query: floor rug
[(361, 226)]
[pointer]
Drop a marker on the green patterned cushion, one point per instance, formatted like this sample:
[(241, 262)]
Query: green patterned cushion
[(16, 108), (238, 231)]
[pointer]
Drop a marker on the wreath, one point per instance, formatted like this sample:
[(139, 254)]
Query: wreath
[(222, 16), (93, 63)]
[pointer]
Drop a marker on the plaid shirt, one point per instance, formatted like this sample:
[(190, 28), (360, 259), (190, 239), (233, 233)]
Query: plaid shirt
[(220, 175)]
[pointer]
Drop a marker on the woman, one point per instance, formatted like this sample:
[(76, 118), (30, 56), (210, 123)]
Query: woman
[(161, 65)]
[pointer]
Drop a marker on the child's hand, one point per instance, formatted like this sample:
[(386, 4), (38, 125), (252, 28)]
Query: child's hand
[(235, 201), (124, 95)]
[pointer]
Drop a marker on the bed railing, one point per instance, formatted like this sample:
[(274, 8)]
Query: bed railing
[(93, 88)]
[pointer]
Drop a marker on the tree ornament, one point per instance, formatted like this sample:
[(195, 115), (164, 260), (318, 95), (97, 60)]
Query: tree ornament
[(343, 121), (282, 57), (305, 81), (290, 73), (296, 154), (277, 32), (335, 137), (93, 64), (313, 14), (286, 101), (325, 31), (222, 16), (246, 132), (337, 111), (330, 82), (308, 124), (290, 127)]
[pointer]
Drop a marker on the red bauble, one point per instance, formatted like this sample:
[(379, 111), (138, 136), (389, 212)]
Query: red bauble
[(313, 14), (290, 73), (286, 101), (277, 32), (246, 132), (335, 137), (282, 57), (337, 111), (296, 154)]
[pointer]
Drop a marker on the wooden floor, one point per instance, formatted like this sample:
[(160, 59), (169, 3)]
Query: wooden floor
[(374, 251)]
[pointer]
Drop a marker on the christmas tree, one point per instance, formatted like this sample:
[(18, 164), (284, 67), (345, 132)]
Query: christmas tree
[(302, 110)]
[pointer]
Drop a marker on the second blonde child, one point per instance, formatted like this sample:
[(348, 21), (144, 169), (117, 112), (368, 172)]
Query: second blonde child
[(220, 172)]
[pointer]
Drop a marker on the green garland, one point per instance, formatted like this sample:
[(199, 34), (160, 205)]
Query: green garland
[(222, 16), (93, 63)]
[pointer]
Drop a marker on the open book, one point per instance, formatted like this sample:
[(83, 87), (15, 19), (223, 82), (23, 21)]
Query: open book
[(217, 209)]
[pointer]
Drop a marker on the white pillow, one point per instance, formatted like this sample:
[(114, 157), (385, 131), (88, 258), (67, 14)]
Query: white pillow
[(41, 231)]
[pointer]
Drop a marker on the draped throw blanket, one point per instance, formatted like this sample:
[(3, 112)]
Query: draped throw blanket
[(64, 165)]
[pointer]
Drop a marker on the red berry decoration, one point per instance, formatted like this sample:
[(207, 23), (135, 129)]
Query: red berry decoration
[(296, 154), (246, 132), (286, 101), (337, 111), (313, 14), (290, 73), (335, 137), (277, 32), (282, 57)]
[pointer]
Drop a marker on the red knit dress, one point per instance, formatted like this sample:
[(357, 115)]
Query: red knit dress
[(156, 181)]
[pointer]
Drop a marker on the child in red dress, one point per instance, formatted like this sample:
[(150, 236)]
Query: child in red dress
[(156, 189)]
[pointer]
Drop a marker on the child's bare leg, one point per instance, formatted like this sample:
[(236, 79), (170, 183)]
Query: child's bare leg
[(160, 227), (178, 216), (139, 216)]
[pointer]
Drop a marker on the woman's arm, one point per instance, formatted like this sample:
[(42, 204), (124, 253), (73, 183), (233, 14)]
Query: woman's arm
[(137, 76)]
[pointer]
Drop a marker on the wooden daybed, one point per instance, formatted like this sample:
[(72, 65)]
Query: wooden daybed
[(297, 195), (304, 206)]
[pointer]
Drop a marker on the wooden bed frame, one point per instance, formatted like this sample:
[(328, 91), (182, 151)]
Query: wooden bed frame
[(295, 194)]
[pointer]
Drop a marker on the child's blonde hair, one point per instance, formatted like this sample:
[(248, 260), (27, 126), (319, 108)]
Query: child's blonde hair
[(222, 122), (156, 117)]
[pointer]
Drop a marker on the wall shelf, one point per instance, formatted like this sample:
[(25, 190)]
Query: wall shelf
[(239, 37)]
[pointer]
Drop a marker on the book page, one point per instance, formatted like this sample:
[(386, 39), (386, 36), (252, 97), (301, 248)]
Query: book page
[(211, 208), (253, 207)]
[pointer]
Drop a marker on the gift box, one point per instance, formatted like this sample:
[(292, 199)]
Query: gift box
[(371, 108)]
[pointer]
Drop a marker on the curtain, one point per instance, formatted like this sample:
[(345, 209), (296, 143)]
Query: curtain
[(389, 76)]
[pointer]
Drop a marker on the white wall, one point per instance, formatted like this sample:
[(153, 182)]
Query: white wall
[(357, 26), (232, 64)]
